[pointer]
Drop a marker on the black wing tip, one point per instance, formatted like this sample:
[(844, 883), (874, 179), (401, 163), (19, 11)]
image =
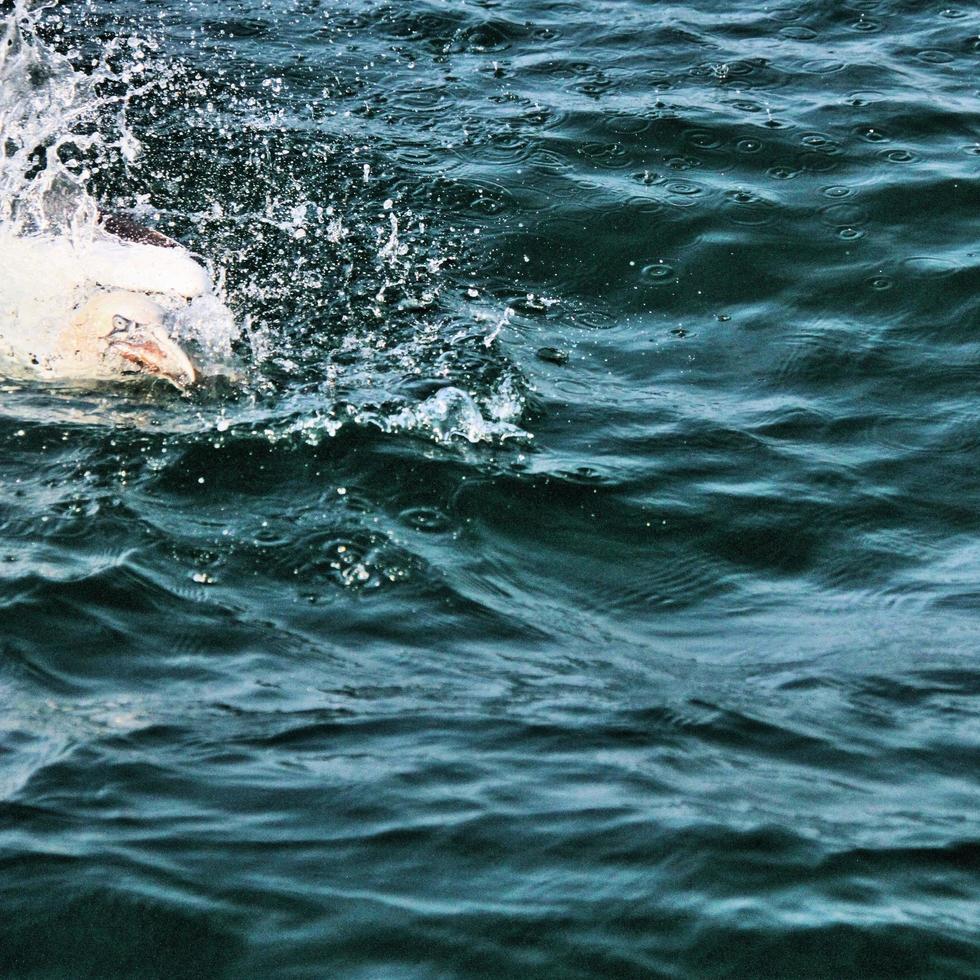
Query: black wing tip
[(129, 231)]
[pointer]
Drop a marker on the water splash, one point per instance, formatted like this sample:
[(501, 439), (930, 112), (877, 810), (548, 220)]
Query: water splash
[(61, 126), (331, 287), (47, 115)]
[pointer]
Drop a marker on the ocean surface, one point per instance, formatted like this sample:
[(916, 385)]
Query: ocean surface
[(579, 573)]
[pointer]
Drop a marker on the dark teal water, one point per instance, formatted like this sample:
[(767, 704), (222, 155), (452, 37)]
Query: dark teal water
[(649, 648)]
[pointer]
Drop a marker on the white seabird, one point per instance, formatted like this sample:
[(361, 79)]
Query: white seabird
[(103, 304)]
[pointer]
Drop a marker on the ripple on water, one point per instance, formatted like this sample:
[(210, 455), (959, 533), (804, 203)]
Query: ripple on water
[(935, 56), (844, 215), (416, 156), (816, 163), (490, 37), (608, 156), (424, 100), (627, 125), (358, 560), (820, 143), (431, 520), (549, 161), (644, 205), (484, 198), (745, 207), (658, 273), (506, 148), (930, 267), (746, 105), (822, 66), (702, 139), (684, 193), (541, 117), (898, 156), (796, 32), (872, 134), (864, 98), (784, 171), (865, 25)]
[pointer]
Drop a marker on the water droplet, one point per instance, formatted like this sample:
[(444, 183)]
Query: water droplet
[(820, 142), (871, 135), (647, 177), (865, 24)]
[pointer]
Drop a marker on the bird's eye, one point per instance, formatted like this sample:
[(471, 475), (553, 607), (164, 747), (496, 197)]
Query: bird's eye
[(120, 323)]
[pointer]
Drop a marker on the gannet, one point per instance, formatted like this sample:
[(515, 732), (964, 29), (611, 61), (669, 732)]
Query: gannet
[(107, 301)]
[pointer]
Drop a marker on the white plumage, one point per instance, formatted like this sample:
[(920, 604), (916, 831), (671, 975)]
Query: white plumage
[(59, 299), (143, 268)]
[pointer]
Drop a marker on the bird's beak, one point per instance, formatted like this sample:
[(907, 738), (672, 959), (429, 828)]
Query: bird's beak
[(152, 350)]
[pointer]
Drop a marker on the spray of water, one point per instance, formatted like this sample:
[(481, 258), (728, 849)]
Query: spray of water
[(59, 127), (343, 314)]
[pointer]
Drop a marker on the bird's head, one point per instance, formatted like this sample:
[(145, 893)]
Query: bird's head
[(121, 333)]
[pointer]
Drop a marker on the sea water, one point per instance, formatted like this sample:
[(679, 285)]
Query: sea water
[(579, 576)]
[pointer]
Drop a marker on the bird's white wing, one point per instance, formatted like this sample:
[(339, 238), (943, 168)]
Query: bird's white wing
[(144, 269)]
